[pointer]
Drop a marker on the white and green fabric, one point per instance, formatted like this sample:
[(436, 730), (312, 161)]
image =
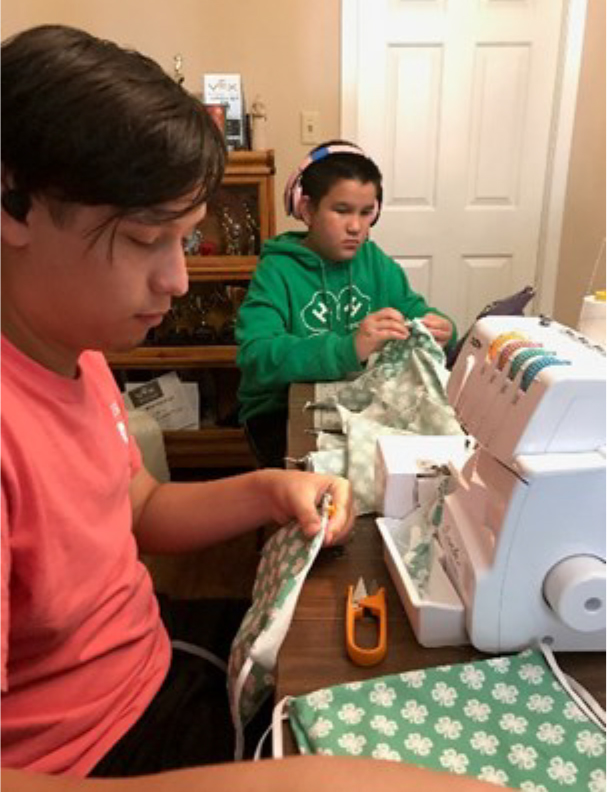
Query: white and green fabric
[(333, 461), (402, 378), (511, 720), (402, 392), (286, 558), (414, 534), (361, 439)]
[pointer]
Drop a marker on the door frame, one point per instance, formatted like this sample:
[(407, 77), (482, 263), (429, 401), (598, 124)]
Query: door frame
[(555, 193)]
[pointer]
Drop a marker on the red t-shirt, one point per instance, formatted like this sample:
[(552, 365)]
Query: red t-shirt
[(83, 647)]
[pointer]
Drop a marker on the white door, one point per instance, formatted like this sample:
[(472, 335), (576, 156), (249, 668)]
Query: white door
[(454, 99)]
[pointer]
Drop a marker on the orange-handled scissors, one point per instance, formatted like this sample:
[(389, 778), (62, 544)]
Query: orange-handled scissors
[(375, 604)]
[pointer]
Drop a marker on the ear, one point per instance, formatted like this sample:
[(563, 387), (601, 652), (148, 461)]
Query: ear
[(15, 209), (15, 233), (307, 209)]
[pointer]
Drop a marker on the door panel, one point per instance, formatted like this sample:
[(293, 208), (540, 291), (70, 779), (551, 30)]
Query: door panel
[(454, 100)]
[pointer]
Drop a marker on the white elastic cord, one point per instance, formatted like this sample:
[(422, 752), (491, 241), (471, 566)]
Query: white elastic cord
[(258, 750), (589, 706), (235, 707), (278, 716), (184, 646), (588, 699)]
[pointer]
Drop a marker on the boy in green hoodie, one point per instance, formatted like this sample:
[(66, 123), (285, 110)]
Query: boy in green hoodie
[(322, 301)]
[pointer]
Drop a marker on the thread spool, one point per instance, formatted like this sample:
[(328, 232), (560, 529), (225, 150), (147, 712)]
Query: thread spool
[(592, 317)]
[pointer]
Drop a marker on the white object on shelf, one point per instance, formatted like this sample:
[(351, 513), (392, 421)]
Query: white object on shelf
[(227, 89), (148, 434), (592, 317), (174, 404), (259, 122)]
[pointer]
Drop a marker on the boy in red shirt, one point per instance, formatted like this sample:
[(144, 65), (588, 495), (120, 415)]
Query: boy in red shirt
[(107, 164)]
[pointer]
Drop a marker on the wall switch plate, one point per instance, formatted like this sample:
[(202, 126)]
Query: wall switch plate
[(310, 126)]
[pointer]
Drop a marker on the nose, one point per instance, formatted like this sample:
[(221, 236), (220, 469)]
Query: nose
[(354, 224), (171, 276)]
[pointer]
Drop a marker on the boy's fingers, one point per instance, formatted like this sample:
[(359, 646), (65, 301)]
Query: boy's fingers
[(309, 520)]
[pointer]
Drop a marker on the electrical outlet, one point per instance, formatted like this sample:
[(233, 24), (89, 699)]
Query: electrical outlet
[(310, 126)]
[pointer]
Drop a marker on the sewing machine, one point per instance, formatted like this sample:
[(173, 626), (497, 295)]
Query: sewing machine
[(520, 548)]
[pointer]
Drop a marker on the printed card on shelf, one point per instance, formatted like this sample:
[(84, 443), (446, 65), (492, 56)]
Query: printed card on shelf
[(226, 89), (174, 404)]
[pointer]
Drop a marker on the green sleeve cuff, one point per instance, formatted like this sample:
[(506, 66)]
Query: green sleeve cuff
[(347, 354)]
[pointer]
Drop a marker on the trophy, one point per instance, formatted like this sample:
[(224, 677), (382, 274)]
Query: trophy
[(252, 227), (178, 74), (232, 232)]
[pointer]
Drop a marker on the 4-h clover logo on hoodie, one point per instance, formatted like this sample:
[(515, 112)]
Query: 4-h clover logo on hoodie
[(326, 312)]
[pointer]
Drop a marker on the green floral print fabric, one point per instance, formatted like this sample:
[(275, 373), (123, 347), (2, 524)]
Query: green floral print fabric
[(505, 720), (403, 392), (285, 561)]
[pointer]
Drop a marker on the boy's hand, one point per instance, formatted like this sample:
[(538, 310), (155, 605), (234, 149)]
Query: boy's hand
[(441, 328), (293, 494), (376, 329)]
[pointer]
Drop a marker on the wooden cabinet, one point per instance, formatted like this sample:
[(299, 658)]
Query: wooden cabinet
[(196, 339)]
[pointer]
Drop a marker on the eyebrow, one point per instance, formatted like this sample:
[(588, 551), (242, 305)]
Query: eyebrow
[(347, 205), (153, 217), (149, 217)]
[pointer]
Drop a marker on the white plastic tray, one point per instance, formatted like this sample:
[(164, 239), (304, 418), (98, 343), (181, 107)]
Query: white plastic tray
[(437, 619)]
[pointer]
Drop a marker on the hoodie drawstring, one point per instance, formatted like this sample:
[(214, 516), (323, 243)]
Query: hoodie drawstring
[(351, 294), (325, 293)]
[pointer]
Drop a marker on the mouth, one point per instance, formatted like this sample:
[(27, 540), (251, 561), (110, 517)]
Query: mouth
[(150, 319)]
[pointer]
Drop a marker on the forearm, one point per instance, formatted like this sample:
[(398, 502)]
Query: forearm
[(183, 516), (178, 517), (297, 774), (285, 359)]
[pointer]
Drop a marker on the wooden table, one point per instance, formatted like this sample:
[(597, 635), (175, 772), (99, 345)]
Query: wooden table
[(314, 655)]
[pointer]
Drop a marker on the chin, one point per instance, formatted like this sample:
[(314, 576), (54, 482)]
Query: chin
[(343, 257), (124, 345)]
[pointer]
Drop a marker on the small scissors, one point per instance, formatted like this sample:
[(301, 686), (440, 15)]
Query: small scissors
[(327, 509), (375, 604)]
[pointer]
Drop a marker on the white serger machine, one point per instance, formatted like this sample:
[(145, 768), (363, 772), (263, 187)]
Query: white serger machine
[(522, 534)]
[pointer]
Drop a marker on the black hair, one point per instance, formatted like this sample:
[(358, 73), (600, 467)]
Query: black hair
[(85, 121), (319, 177)]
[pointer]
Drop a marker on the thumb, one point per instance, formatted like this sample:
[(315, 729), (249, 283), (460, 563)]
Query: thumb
[(309, 520)]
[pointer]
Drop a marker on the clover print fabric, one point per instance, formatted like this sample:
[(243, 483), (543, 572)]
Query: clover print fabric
[(402, 392), (403, 378), (286, 559), (506, 720)]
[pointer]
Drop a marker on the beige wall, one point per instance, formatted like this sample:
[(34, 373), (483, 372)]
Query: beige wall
[(584, 217), (288, 53)]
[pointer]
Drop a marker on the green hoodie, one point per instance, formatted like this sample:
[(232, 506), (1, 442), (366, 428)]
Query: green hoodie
[(299, 318)]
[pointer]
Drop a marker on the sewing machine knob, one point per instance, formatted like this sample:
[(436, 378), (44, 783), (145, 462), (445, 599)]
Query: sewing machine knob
[(575, 590)]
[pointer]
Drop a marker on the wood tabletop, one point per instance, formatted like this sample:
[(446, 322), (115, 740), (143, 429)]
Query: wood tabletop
[(314, 655)]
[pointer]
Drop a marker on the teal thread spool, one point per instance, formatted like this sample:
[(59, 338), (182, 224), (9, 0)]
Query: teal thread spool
[(538, 365)]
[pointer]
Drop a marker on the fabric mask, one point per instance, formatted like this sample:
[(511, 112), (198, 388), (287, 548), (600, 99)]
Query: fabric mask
[(286, 558), (515, 721), (402, 392)]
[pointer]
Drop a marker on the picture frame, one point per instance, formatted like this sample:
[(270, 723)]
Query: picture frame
[(227, 89)]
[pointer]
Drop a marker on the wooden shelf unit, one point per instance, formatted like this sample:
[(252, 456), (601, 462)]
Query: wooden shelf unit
[(181, 357)]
